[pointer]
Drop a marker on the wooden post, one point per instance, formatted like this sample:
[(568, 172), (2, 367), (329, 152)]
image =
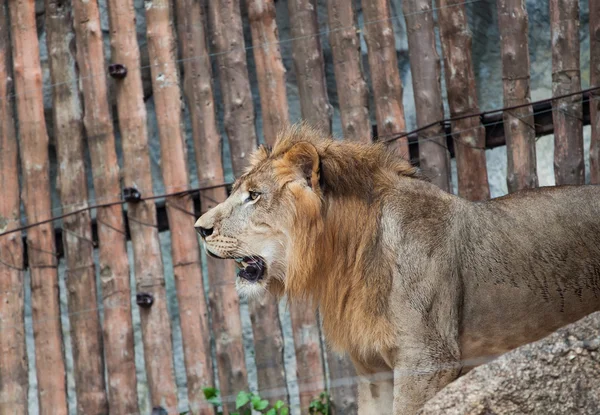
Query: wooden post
[(385, 77), (187, 268), (227, 37), (469, 134), (80, 273), (425, 67), (113, 261), (156, 328), (309, 69), (309, 65), (347, 64), (595, 95), (36, 199), (13, 355), (223, 298), (269, 67), (566, 78), (266, 327), (519, 128)]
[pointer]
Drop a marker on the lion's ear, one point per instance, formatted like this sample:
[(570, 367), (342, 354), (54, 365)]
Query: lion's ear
[(304, 157)]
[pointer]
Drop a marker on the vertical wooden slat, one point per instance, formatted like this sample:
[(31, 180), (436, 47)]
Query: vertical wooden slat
[(309, 68), (266, 327), (566, 78), (269, 67), (156, 329), (36, 199), (77, 229), (223, 298), (227, 38), (469, 134), (13, 355), (519, 129), (180, 209), (113, 261), (595, 95), (385, 77), (352, 89), (426, 75), (309, 65)]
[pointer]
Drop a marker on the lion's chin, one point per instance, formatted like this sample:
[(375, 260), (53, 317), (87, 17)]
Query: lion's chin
[(250, 289)]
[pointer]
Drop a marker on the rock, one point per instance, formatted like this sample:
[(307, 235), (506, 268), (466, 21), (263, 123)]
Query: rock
[(559, 374)]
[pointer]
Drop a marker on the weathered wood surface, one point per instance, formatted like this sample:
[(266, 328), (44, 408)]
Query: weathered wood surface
[(223, 298), (434, 156), (113, 261), (309, 66), (595, 96), (385, 76), (43, 264), (513, 23), (13, 355), (148, 264), (566, 78), (185, 253), (270, 71), (468, 133), (352, 90), (80, 271), (227, 40)]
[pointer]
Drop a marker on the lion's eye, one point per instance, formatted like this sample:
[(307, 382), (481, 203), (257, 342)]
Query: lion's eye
[(253, 196)]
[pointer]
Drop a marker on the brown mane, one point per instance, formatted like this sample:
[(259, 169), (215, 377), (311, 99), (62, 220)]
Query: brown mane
[(340, 231)]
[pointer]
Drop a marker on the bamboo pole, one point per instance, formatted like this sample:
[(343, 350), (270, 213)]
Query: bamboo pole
[(519, 128), (347, 65), (266, 327), (156, 328), (425, 67), (309, 356), (13, 355), (566, 78), (77, 229), (269, 67), (187, 268), (309, 65), (227, 37), (595, 101), (223, 298), (36, 199), (469, 134), (385, 77), (113, 261)]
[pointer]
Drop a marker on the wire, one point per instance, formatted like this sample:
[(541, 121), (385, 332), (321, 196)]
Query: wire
[(397, 137)]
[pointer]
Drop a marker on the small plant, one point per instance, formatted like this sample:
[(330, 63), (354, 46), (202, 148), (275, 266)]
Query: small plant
[(245, 402), (320, 405)]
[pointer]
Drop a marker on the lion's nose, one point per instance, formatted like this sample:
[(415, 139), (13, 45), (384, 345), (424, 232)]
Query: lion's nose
[(204, 232)]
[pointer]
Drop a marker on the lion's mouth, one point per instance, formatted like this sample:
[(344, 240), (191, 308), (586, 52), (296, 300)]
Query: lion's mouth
[(251, 268)]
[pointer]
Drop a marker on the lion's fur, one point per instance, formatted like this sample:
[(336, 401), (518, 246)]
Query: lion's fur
[(407, 275)]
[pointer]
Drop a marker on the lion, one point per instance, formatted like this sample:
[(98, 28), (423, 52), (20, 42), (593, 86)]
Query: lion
[(416, 285)]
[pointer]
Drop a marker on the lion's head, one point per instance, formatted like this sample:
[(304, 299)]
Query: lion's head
[(272, 220)]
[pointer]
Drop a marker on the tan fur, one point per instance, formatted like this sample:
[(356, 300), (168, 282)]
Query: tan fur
[(409, 279)]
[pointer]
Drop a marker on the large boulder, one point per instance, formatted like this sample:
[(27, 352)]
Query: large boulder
[(559, 374)]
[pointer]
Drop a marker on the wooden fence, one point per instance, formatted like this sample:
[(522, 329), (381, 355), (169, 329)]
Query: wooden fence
[(183, 38)]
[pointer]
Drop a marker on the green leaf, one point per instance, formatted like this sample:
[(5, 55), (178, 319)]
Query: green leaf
[(271, 411), (261, 405), (234, 413), (255, 400), (242, 399), (248, 412), (284, 411), (278, 405), (210, 392), (215, 400)]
